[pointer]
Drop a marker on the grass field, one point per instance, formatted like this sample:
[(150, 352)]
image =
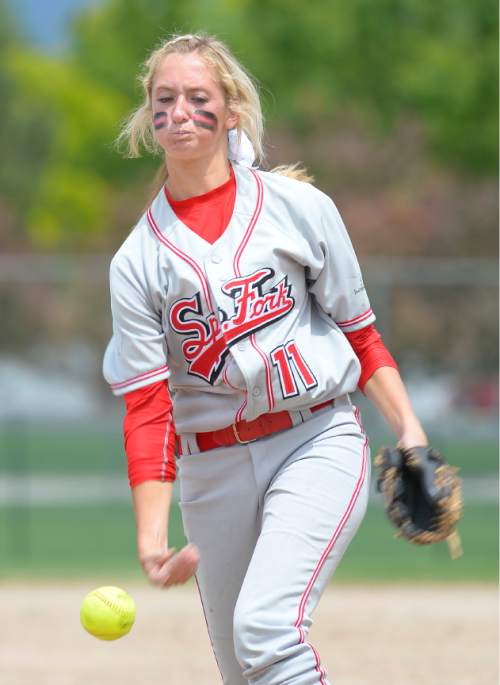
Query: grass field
[(76, 450), (98, 539)]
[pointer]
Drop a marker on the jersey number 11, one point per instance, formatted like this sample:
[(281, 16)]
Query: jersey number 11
[(290, 365)]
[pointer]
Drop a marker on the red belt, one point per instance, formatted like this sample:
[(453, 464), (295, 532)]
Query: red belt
[(249, 431)]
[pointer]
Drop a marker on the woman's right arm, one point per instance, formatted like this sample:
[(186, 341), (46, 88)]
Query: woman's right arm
[(136, 366), (149, 445), (163, 566)]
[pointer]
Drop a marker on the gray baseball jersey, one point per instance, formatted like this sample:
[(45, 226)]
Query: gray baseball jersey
[(253, 323)]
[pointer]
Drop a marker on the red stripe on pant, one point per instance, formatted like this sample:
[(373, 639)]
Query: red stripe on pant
[(327, 551)]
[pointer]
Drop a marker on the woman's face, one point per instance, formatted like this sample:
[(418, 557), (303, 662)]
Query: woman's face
[(190, 116)]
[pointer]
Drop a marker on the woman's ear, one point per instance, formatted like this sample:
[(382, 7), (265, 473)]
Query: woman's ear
[(232, 120)]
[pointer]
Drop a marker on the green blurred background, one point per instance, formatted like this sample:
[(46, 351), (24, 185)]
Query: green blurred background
[(392, 105)]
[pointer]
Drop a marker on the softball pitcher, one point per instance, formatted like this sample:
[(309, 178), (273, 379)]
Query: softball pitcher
[(240, 327)]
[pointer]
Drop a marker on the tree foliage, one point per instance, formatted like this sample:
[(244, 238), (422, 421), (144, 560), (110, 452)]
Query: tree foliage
[(317, 63), (432, 61), (25, 138)]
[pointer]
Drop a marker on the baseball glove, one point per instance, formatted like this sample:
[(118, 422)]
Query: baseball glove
[(422, 495)]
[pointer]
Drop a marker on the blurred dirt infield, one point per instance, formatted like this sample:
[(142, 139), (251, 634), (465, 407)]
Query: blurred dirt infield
[(444, 635)]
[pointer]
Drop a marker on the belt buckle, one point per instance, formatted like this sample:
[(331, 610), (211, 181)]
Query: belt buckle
[(238, 439)]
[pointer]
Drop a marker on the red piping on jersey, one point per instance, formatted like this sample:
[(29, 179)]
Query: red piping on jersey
[(226, 380), (204, 282), (185, 257), (332, 541), (251, 225), (269, 386), (140, 377), (237, 271), (357, 319), (240, 411)]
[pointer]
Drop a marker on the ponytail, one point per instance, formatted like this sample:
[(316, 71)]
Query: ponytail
[(296, 171)]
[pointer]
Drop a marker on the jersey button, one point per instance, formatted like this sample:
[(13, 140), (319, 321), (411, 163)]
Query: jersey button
[(256, 392), (216, 258)]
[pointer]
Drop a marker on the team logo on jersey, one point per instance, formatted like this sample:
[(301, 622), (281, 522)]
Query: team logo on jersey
[(208, 338)]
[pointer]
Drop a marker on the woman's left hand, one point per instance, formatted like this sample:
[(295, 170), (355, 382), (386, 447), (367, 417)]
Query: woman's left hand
[(413, 437)]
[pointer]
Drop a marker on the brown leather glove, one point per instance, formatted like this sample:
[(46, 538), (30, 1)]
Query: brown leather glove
[(422, 495)]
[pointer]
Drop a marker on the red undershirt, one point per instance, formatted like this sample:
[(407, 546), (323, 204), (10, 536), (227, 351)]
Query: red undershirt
[(148, 427), (208, 215)]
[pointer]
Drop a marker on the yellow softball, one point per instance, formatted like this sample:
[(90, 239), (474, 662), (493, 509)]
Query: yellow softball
[(107, 613)]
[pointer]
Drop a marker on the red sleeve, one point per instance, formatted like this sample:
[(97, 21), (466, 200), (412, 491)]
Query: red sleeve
[(370, 350), (149, 434)]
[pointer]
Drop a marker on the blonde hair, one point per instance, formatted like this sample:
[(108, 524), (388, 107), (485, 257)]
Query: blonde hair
[(240, 91)]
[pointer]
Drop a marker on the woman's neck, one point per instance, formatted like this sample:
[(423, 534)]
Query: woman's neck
[(196, 177)]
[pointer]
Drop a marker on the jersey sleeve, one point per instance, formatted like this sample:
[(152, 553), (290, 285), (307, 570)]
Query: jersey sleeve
[(136, 356), (336, 280), (369, 348)]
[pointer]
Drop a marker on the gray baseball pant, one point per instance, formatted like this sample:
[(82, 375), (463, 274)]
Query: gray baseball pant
[(272, 520)]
